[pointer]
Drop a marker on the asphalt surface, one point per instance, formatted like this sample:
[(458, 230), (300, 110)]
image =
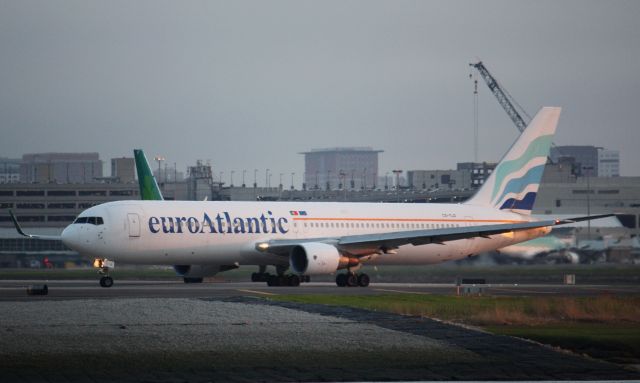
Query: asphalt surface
[(81, 289), (143, 331)]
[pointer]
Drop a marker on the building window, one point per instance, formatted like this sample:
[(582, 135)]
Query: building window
[(62, 205), (61, 193), (31, 218), (85, 193), (30, 206), (30, 193), (121, 192), (61, 218)]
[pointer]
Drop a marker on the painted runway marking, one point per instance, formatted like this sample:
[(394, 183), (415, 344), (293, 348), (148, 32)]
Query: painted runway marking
[(256, 292), (404, 292)]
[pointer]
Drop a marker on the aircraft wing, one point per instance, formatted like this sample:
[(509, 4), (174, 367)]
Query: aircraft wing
[(368, 243), (19, 229)]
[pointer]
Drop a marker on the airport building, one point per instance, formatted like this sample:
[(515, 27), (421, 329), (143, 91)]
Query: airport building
[(478, 171), (337, 168), (123, 169), (436, 179), (9, 170), (61, 168), (608, 163)]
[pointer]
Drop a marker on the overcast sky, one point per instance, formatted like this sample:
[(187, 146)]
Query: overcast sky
[(250, 84)]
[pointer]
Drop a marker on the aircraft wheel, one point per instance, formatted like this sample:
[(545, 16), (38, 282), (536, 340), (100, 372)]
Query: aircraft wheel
[(363, 280), (255, 277), (352, 280), (192, 280), (106, 281), (293, 280), (341, 280), (272, 280)]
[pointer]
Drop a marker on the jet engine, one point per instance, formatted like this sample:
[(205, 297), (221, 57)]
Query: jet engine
[(318, 258)]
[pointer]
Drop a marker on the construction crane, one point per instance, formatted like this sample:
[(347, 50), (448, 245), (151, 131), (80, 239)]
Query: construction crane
[(504, 98)]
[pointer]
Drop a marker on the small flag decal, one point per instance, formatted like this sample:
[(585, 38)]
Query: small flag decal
[(297, 212)]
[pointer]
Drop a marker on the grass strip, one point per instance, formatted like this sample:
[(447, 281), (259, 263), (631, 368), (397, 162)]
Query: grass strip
[(606, 327)]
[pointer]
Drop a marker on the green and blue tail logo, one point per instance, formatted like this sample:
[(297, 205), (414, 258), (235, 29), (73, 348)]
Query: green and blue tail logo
[(515, 181), (149, 190)]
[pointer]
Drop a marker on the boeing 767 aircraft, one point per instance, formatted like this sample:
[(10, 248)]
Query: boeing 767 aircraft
[(202, 238)]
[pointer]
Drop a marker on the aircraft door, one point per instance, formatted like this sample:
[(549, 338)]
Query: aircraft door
[(134, 224)]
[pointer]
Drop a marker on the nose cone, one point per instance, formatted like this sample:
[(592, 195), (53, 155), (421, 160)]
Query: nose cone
[(70, 238)]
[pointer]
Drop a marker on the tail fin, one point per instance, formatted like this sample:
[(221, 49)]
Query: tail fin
[(149, 189), (514, 183)]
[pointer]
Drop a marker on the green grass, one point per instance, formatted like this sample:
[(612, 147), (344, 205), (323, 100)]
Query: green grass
[(606, 327)]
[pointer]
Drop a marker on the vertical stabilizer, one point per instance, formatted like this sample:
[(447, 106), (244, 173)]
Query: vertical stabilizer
[(514, 183), (149, 190)]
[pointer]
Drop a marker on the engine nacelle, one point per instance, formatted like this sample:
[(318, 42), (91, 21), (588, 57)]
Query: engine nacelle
[(317, 258)]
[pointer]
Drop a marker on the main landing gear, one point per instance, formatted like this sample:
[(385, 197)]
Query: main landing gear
[(352, 279), (280, 279), (103, 266)]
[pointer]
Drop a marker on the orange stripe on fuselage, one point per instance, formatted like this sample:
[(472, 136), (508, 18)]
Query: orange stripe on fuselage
[(409, 220)]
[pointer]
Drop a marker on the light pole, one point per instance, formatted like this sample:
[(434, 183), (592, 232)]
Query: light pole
[(343, 177), (231, 178), (397, 172), (159, 159), (255, 178), (243, 174), (280, 184), (364, 179), (221, 174), (292, 174), (588, 170)]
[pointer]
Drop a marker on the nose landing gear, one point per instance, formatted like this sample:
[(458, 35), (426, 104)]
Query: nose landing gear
[(103, 266)]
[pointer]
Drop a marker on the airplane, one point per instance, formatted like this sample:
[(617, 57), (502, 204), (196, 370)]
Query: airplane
[(301, 239)]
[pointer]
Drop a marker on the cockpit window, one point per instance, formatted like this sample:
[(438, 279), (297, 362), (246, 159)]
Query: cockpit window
[(90, 220)]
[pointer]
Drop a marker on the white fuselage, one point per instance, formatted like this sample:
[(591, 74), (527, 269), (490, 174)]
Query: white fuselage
[(226, 233)]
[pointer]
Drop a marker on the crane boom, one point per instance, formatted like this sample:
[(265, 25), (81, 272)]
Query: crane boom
[(501, 95)]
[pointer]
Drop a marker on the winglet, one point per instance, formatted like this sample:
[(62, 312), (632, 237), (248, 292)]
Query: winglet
[(19, 230), (17, 225), (149, 190)]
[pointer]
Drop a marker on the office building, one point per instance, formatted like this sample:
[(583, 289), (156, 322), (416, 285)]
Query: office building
[(608, 163), (61, 168), (586, 158), (9, 170), (123, 169), (478, 171), (336, 168)]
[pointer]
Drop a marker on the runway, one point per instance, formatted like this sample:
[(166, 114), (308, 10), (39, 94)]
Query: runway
[(82, 289), (170, 331)]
